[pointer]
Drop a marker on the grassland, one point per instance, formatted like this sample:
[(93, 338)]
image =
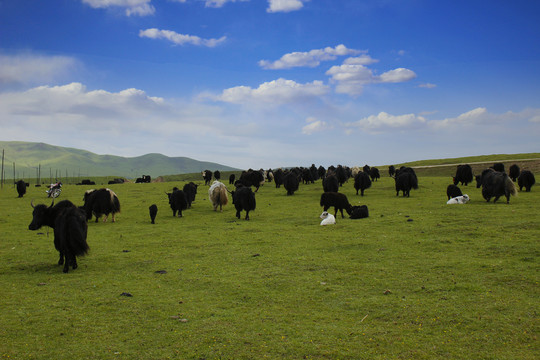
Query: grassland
[(418, 279)]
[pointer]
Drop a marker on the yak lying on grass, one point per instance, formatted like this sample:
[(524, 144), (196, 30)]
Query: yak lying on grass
[(462, 199), (495, 184), (70, 230), (359, 212), (453, 191)]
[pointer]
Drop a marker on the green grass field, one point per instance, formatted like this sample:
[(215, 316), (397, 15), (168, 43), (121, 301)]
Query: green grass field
[(418, 279)]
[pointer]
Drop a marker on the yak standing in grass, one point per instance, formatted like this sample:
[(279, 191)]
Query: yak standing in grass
[(330, 183), (243, 199), (338, 200), (495, 184), (177, 201), (70, 230), (464, 175), (218, 195), (101, 202), (526, 180), (207, 176), (190, 190), (291, 182), (405, 181), (153, 213), (278, 177), (362, 182), (21, 188), (514, 172)]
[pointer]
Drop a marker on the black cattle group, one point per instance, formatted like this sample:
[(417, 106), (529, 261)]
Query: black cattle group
[(70, 222)]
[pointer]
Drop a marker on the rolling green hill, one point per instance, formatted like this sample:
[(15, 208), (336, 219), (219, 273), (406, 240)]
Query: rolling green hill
[(28, 156)]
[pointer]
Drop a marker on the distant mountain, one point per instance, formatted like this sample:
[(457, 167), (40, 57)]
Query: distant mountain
[(27, 157)]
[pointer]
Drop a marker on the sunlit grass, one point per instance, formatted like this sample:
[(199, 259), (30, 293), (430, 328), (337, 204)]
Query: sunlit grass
[(417, 279)]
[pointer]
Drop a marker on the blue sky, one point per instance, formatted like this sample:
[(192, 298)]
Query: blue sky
[(269, 83)]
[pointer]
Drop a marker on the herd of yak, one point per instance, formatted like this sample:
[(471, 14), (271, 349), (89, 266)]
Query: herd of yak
[(70, 222)]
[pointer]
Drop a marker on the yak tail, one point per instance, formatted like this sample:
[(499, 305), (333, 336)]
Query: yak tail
[(510, 186), (115, 203), (224, 199), (76, 231)]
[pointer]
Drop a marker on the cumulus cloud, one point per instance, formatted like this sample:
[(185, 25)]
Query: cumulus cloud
[(280, 91), (314, 126), (132, 7), (308, 59), (363, 59), (351, 78), (284, 5), (180, 39), (33, 69), (384, 121)]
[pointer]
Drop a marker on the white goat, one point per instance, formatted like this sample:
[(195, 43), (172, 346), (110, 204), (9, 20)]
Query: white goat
[(327, 219), (459, 200)]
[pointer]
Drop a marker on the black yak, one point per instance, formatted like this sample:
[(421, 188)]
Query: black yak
[(217, 193), (342, 175), (374, 174), (231, 179), (330, 183), (70, 230), (21, 188), (291, 182), (153, 213), (190, 190), (252, 178), (278, 177), (362, 182), (391, 170), (453, 191), (143, 179), (359, 212), (243, 199), (101, 202), (495, 184), (217, 175), (498, 167), (337, 200), (526, 180), (177, 201), (514, 172), (464, 175), (207, 176), (405, 181)]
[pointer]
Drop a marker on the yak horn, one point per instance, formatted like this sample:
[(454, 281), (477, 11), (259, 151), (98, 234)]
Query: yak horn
[(32, 204), (52, 202)]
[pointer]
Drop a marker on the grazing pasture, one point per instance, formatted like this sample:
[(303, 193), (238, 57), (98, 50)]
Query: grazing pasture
[(417, 279)]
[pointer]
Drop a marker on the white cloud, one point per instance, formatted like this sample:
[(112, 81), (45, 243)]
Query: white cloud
[(314, 126), (34, 69), (472, 117), (132, 7), (180, 39), (218, 3), (351, 79), (284, 5), (280, 91), (308, 59), (384, 120), (427, 86), (363, 59)]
